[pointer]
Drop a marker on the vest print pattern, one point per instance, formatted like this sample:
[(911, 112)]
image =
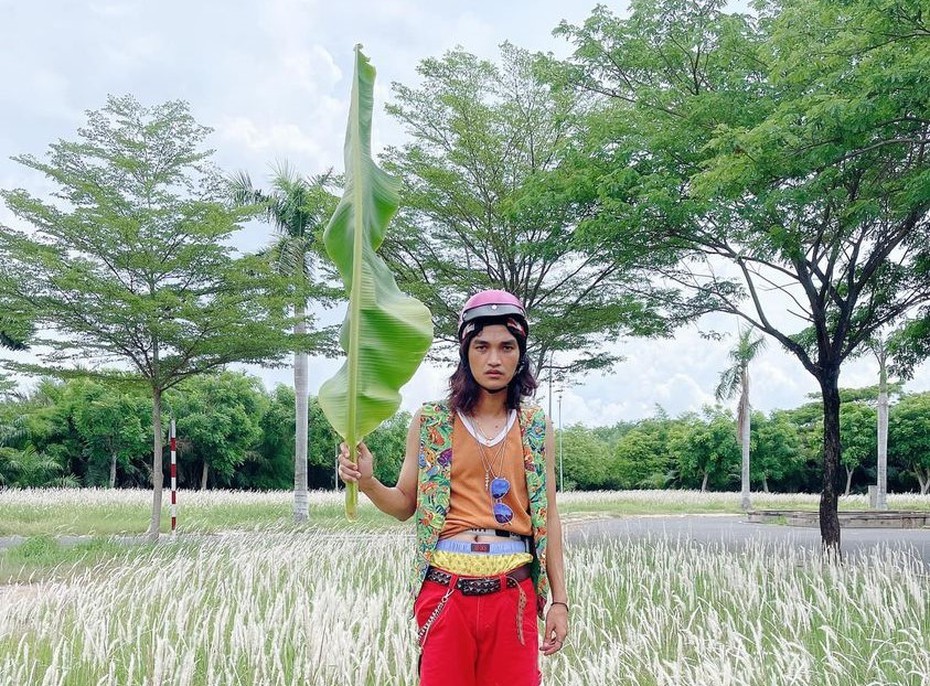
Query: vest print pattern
[(434, 489)]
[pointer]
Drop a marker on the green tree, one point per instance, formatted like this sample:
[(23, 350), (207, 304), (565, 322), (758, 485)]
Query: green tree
[(733, 380), (14, 329), (298, 210), (909, 437), (641, 458), (15, 323), (28, 468), (484, 207), (275, 471), (586, 458), (778, 456), (114, 425), (857, 428), (323, 444), (782, 152), (218, 422), (50, 427), (130, 264), (704, 449), (388, 443), (22, 464)]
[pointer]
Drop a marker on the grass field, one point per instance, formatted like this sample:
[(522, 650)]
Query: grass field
[(75, 512), (250, 599)]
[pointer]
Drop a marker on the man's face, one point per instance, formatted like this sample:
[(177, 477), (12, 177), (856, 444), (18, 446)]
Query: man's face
[(493, 356)]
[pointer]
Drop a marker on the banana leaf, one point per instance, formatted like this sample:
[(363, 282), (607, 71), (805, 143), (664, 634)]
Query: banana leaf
[(386, 333)]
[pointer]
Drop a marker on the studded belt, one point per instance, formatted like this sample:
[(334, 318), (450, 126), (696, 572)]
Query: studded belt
[(479, 585)]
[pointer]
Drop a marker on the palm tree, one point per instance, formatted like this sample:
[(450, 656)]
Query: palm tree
[(736, 378), (298, 209)]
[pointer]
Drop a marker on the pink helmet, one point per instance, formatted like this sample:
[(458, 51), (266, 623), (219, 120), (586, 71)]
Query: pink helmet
[(493, 303)]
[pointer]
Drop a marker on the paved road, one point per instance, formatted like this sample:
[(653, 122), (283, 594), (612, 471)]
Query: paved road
[(735, 531), (731, 531)]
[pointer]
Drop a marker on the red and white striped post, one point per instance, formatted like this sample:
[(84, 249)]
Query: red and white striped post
[(174, 480)]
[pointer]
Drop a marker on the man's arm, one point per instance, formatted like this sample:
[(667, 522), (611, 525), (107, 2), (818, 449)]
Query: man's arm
[(557, 617), (399, 501)]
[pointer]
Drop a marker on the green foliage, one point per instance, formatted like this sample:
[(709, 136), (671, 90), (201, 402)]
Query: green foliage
[(777, 455), (735, 378), (388, 443), (858, 424), (75, 432), (642, 459), (323, 441), (705, 450), (218, 419), (246, 435), (298, 209), (114, 426), (132, 266), (788, 146), (27, 468), (385, 334), (130, 263), (276, 468), (585, 459), (488, 203), (909, 437)]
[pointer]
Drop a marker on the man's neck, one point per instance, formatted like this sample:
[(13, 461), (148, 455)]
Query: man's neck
[(490, 405)]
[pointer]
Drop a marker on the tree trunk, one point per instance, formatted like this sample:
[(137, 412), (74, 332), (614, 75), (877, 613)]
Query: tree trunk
[(923, 478), (829, 518), (765, 483), (204, 475), (157, 476), (744, 440), (113, 470), (849, 476), (704, 481), (301, 415), (881, 501)]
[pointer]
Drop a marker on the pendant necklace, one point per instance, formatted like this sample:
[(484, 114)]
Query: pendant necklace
[(488, 461)]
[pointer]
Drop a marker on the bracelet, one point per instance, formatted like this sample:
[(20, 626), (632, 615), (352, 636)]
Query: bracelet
[(559, 602)]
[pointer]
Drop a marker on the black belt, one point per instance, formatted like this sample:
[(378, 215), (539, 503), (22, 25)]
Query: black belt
[(479, 585)]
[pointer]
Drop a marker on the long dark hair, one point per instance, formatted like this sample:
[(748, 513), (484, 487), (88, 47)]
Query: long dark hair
[(464, 391)]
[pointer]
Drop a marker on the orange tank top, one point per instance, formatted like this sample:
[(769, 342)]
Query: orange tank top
[(470, 506)]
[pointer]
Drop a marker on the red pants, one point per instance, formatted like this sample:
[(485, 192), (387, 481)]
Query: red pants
[(474, 641)]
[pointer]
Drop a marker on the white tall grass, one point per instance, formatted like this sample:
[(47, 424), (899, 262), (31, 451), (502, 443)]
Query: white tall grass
[(104, 497), (660, 499), (284, 608), (685, 500)]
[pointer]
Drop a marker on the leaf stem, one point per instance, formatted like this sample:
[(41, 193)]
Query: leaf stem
[(355, 305)]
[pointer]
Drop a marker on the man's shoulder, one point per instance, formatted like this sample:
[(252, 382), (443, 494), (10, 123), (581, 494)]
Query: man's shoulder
[(532, 412), (435, 408)]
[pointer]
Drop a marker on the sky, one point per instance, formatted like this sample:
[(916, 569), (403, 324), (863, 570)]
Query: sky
[(272, 79)]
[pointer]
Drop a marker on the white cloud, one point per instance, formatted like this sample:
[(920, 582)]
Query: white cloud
[(124, 53), (275, 138), (111, 9)]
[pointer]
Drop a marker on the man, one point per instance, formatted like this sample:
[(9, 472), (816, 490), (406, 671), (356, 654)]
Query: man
[(479, 475)]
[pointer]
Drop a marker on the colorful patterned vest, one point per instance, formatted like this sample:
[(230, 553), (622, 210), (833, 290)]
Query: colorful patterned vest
[(434, 489)]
